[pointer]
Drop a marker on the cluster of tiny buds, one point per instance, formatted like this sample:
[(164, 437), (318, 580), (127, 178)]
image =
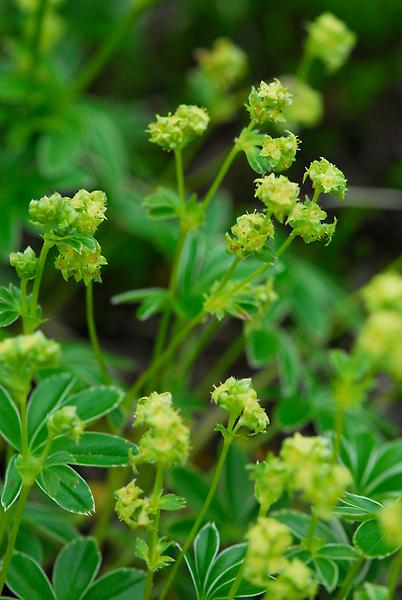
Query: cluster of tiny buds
[(329, 40), (250, 234), (223, 65), (25, 263), (239, 399), (177, 130), (268, 101), (65, 421)]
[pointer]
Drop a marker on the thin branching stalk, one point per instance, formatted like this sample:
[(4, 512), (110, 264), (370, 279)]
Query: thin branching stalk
[(350, 579), (93, 335), (154, 532), (13, 534), (37, 283)]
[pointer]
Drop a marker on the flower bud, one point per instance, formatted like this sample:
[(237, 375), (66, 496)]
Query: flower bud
[(270, 479), (280, 152), (54, 213), (249, 234), (130, 508), (177, 130), (326, 178), (268, 540), (90, 208), (85, 265), (390, 519), (65, 421), (25, 263), (167, 439), (239, 398), (295, 582), (223, 65), (305, 220), (329, 40), (278, 194), (268, 102)]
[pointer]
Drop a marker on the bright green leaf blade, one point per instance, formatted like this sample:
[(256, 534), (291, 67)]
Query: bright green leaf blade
[(95, 402), (50, 522), (369, 539), (206, 547), (298, 524), (12, 485), (238, 490), (94, 449), (46, 396), (68, 489), (327, 572), (75, 568), (338, 552), (29, 543), (122, 584), (10, 305), (10, 424), (372, 592), (27, 579)]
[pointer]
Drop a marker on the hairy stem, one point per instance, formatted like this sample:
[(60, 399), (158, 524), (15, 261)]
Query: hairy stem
[(153, 533), (203, 511), (93, 335)]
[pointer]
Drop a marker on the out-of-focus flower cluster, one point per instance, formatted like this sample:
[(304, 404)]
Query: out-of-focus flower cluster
[(177, 130)]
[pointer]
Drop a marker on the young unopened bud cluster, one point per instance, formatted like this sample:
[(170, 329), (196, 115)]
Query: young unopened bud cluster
[(306, 222), (390, 519), (278, 194), (177, 130), (223, 65), (268, 541), (65, 421), (239, 399), (131, 508), (326, 178), (383, 292), (167, 439), (82, 266), (250, 234), (295, 582), (271, 478), (54, 213), (25, 263), (268, 101), (313, 473), (21, 357), (280, 152), (329, 40)]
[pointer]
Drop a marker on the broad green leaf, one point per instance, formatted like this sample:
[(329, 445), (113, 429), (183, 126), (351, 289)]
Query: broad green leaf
[(10, 424), (122, 584), (10, 305), (372, 592), (356, 508), (75, 568), (385, 476), (94, 449), (95, 402), (206, 547), (369, 539), (327, 572), (262, 346), (12, 485), (59, 148), (46, 396), (50, 522), (238, 490), (290, 364), (68, 489), (29, 543), (134, 296), (337, 552), (27, 579), (163, 203), (293, 412), (193, 486)]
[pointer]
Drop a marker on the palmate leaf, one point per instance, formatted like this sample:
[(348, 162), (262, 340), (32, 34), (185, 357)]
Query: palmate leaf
[(122, 584), (327, 571), (357, 508), (212, 573), (75, 568), (50, 522)]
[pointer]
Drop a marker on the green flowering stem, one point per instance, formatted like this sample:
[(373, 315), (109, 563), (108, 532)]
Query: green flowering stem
[(308, 542), (316, 196), (13, 534), (24, 305), (37, 35), (153, 533), (37, 283), (339, 425), (227, 440), (350, 579), (110, 44), (93, 336), (394, 571), (304, 66)]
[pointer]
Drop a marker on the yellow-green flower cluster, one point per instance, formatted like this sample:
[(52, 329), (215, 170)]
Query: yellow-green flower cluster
[(306, 109), (54, 213), (25, 263), (249, 234), (82, 266), (306, 222), (223, 65), (313, 472), (65, 421), (329, 40), (167, 439), (268, 541), (280, 152), (131, 508), (21, 357), (326, 178), (271, 478), (90, 208), (390, 519), (239, 399), (278, 194), (268, 101), (384, 292), (176, 131), (295, 582)]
